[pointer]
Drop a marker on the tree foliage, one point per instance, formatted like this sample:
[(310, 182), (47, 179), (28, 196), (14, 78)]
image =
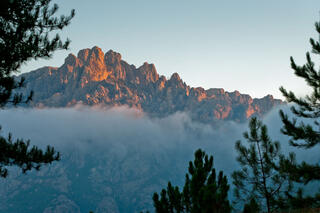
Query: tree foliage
[(304, 127), (258, 180), (204, 191), (251, 207), (25, 34), (18, 153), (304, 135), (25, 27)]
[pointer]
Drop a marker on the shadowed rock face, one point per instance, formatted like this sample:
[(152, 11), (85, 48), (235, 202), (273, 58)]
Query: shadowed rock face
[(97, 78)]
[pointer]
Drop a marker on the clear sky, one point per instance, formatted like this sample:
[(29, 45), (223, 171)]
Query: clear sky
[(236, 45)]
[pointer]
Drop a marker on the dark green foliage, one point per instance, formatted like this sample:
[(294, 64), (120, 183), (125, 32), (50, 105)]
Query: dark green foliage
[(259, 178), (203, 191), (304, 135), (299, 201), (251, 207), (25, 27), (18, 153)]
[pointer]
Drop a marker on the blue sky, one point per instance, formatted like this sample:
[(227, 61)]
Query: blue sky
[(236, 45)]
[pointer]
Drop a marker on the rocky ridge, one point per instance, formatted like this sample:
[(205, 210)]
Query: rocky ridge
[(93, 77)]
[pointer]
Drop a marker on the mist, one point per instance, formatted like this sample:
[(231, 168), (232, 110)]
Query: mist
[(125, 148), (100, 128), (87, 129)]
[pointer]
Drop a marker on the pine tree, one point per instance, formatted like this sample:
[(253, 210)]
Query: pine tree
[(25, 31), (203, 192), (251, 207), (304, 135), (259, 179)]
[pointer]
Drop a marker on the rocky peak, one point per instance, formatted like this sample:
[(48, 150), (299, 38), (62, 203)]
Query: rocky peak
[(92, 55), (175, 77), (112, 57), (239, 98), (114, 66), (266, 98), (148, 72), (235, 93), (146, 67), (83, 54), (70, 63), (270, 97), (94, 77), (176, 82), (96, 54), (213, 92), (71, 60), (94, 65), (162, 82), (199, 93)]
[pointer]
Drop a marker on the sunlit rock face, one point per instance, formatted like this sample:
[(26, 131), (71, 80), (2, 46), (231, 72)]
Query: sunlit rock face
[(93, 77)]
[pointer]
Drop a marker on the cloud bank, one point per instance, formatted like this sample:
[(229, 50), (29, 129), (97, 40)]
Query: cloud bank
[(86, 128), (123, 152), (97, 128)]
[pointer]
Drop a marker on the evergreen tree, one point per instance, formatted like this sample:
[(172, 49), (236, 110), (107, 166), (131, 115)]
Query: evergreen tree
[(304, 135), (203, 192), (251, 207), (25, 31), (259, 179)]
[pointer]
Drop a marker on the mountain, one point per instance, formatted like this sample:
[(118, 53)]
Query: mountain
[(93, 77), (112, 161)]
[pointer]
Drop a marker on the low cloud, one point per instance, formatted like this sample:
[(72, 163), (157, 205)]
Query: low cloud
[(99, 129), (130, 149)]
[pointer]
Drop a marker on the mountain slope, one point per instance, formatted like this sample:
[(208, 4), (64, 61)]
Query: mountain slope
[(93, 77)]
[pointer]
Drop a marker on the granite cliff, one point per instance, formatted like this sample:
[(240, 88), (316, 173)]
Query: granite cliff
[(110, 162), (93, 77)]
